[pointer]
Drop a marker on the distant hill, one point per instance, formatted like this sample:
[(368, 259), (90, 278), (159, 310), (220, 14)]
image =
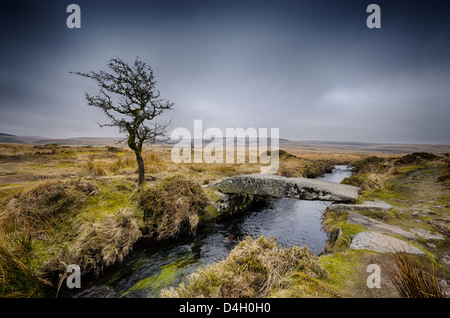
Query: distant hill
[(361, 147), (307, 146), (81, 141)]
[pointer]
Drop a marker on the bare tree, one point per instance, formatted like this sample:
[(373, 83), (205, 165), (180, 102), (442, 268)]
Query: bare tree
[(130, 100)]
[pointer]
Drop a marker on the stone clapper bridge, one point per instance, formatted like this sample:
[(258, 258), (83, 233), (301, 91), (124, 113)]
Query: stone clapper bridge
[(239, 193), (281, 187)]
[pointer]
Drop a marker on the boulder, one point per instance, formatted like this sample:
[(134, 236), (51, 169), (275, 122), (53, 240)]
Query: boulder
[(367, 205), (382, 243), (428, 235), (282, 187), (375, 225)]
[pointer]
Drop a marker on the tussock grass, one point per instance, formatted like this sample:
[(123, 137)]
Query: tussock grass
[(46, 206), (175, 203), (96, 168), (101, 244), (292, 166), (57, 223), (415, 277), (415, 157), (255, 268), (373, 173), (111, 162), (18, 276)]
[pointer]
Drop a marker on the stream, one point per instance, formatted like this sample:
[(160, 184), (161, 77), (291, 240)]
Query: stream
[(147, 271)]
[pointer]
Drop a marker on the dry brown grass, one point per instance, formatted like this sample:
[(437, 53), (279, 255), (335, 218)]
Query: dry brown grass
[(18, 276), (62, 223), (254, 268), (101, 244), (45, 206), (176, 202), (415, 277), (72, 221), (292, 166)]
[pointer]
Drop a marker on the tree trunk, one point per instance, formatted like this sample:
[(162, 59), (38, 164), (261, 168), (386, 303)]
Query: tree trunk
[(141, 172)]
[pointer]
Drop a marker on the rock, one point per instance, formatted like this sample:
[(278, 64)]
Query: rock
[(442, 223), (382, 243), (367, 205), (446, 260), (375, 225), (431, 245), (422, 212), (282, 187), (428, 235)]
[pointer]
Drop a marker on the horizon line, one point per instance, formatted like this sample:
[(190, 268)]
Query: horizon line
[(281, 139)]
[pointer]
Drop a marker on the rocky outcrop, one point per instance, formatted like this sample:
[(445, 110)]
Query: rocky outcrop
[(282, 187), (378, 226), (441, 223), (367, 205), (428, 235), (381, 243)]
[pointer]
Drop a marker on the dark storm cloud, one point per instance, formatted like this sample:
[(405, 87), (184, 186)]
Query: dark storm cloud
[(311, 68)]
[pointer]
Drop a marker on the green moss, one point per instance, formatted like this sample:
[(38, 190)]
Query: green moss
[(166, 276), (342, 270), (342, 232), (111, 195), (384, 216), (395, 189)]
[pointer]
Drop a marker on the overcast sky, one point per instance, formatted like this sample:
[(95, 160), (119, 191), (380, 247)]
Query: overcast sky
[(311, 68)]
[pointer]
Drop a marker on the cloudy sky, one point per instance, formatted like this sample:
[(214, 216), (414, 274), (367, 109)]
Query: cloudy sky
[(311, 68)]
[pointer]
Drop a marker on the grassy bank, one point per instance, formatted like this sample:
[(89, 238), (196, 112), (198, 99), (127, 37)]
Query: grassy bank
[(79, 205), (410, 183), (65, 205), (417, 187)]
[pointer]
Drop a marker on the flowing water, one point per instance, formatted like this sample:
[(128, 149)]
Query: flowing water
[(147, 271)]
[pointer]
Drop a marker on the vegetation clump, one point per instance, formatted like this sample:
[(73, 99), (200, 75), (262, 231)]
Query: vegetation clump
[(415, 277), (18, 276), (45, 206), (104, 243), (364, 181), (255, 268), (370, 173), (445, 173), (370, 165), (45, 228), (415, 157), (292, 166), (31, 218), (172, 206)]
